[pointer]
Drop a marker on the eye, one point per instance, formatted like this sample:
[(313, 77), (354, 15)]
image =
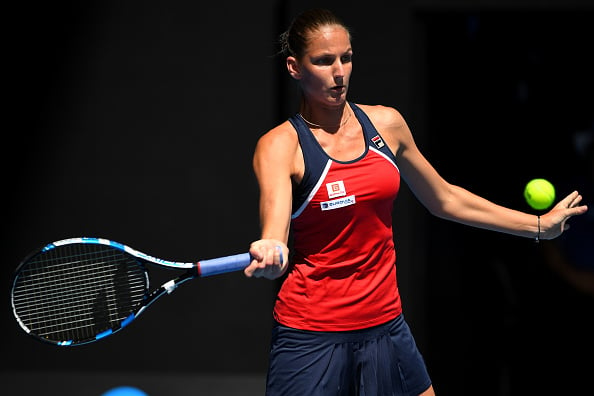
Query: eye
[(323, 61), (346, 58)]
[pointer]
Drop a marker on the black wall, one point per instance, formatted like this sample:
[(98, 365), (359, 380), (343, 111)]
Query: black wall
[(137, 122)]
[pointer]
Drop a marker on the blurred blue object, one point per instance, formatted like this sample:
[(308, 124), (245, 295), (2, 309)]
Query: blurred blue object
[(124, 391)]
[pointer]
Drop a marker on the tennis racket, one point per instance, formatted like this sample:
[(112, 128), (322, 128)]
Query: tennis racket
[(80, 290)]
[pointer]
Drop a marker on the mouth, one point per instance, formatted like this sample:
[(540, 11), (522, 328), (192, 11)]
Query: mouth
[(338, 89)]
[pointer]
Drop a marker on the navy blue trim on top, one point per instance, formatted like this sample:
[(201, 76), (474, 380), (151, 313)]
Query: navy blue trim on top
[(315, 158)]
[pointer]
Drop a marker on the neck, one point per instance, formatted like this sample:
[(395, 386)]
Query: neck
[(332, 121)]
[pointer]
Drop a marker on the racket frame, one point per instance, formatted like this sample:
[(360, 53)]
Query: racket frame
[(201, 268)]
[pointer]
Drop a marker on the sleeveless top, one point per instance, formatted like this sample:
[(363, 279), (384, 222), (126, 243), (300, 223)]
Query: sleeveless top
[(343, 269)]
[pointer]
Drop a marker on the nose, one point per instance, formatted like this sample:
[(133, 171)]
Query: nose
[(338, 73)]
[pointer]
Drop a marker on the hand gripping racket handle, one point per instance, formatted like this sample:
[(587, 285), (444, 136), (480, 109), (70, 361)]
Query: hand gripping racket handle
[(222, 265)]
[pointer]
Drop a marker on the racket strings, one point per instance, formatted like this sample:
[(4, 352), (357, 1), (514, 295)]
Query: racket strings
[(76, 294)]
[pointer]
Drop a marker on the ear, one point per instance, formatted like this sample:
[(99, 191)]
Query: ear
[(293, 67)]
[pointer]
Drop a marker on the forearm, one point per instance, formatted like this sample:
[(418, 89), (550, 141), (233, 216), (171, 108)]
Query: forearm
[(467, 208), (270, 252), (275, 218)]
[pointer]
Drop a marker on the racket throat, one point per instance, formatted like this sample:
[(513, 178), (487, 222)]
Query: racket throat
[(170, 286)]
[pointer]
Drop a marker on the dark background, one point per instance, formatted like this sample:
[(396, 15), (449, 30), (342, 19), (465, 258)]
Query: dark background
[(136, 121)]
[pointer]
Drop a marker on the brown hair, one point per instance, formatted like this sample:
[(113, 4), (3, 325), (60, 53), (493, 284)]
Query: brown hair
[(294, 40)]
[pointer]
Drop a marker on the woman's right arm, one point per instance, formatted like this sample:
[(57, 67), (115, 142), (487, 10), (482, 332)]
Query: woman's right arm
[(274, 165)]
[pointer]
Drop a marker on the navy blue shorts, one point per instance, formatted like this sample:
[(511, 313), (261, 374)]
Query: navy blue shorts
[(379, 361)]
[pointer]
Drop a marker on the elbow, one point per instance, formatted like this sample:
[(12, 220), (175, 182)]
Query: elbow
[(438, 211), (443, 206)]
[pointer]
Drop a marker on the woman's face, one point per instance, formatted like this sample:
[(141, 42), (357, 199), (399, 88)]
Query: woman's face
[(325, 69)]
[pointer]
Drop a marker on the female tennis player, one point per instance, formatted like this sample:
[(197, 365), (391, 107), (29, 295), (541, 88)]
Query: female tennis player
[(329, 176)]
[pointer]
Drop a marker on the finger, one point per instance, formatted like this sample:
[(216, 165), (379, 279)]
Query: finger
[(269, 255), (250, 269), (575, 200), (279, 251), (258, 253)]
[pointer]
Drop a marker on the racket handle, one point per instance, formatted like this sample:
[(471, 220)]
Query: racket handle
[(222, 265)]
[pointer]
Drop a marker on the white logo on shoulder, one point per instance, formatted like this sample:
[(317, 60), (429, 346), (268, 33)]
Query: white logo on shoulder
[(336, 189), (338, 203)]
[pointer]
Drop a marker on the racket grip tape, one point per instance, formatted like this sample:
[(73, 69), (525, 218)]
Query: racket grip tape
[(223, 265)]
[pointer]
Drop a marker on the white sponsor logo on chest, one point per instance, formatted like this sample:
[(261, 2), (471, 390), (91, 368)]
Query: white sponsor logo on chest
[(336, 189), (338, 203)]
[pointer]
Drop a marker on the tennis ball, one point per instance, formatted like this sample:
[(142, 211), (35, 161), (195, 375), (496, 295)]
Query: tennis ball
[(539, 193)]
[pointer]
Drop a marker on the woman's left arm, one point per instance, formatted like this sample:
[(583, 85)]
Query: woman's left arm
[(455, 203)]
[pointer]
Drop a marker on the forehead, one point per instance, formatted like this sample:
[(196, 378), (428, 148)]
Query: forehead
[(329, 38)]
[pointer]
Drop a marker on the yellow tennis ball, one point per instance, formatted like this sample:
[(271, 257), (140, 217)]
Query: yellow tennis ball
[(539, 193)]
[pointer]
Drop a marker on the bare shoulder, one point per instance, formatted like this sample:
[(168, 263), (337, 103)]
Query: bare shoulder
[(281, 136), (383, 116), (391, 125), (279, 145)]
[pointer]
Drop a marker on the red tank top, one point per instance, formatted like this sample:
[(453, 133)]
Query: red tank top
[(343, 273)]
